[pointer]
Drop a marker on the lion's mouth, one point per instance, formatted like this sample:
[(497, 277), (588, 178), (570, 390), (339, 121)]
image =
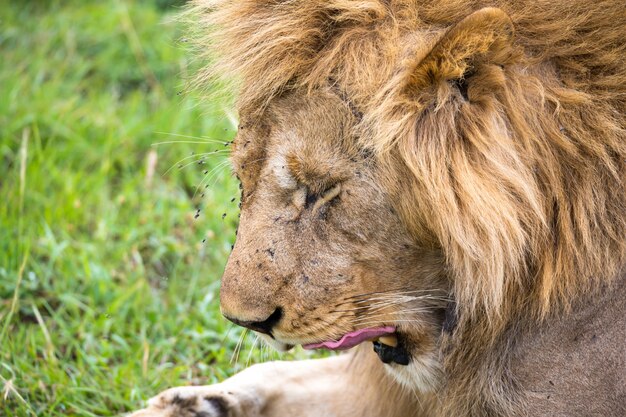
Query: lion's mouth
[(388, 345), (350, 340)]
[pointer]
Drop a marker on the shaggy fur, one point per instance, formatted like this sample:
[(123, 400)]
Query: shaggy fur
[(500, 124)]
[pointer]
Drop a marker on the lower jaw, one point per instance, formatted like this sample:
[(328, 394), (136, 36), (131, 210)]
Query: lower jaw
[(279, 346)]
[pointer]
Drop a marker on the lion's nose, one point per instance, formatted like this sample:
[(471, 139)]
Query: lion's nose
[(263, 326)]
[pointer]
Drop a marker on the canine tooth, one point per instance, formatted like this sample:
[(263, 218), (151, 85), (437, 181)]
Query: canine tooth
[(389, 340)]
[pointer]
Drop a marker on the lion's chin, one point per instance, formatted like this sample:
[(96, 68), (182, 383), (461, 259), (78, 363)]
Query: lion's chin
[(279, 346)]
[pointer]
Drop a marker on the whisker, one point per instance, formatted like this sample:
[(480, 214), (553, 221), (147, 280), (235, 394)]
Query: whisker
[(237, 350), (254, 343), (233, 354), (391, 313), (256, 160), (392, 299), (407, 298), (403, 299), (397, 291), (377, 307), (210, 174), (406, 310), (384, 302), (204, 139), (395, 321), (231, 326), (408, 292), (265, 352), (214, 176), (194, 142), (372, 307), (180, 168), (177, 163), (371, 293), (202, 156)]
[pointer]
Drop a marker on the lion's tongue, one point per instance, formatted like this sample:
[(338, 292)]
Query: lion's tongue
[(352, 339)]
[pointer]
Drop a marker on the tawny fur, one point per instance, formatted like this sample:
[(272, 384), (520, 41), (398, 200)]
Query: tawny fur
[(520, 185)]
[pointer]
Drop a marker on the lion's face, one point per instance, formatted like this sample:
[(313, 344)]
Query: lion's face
[(321, 251), (489, 178)]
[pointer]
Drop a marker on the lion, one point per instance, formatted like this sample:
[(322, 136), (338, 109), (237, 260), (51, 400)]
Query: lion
[(435, 187)]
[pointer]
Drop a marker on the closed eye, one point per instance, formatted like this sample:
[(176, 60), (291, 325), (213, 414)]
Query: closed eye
[(318, 200)]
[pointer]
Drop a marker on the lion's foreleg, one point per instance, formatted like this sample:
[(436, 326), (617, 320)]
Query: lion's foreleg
[(353, 384)]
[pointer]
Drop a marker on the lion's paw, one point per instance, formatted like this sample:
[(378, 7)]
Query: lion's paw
[(192, 402)]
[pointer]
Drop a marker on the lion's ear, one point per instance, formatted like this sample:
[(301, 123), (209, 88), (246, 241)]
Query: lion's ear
[(478, 195), (483, 37)]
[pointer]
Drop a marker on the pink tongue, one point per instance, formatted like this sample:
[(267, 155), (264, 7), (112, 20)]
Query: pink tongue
[(352, 339)]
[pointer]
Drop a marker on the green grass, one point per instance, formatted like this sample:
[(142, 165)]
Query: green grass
[(107, 292)]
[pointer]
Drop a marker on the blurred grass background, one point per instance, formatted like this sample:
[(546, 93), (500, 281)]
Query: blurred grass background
[(109, 278)]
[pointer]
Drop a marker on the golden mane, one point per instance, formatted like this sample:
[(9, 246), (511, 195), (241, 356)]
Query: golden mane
[(524, 188)]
